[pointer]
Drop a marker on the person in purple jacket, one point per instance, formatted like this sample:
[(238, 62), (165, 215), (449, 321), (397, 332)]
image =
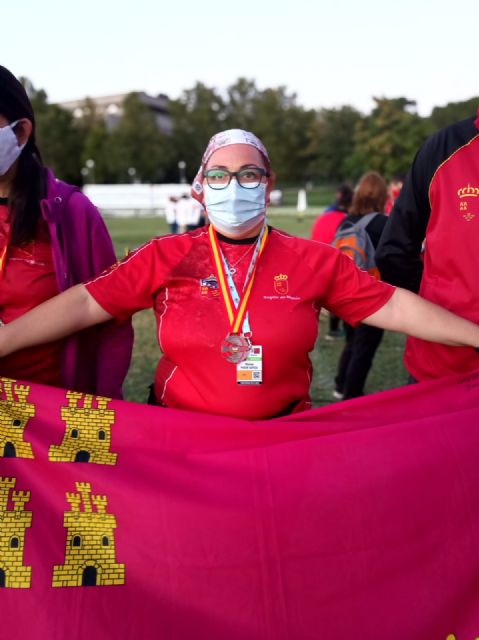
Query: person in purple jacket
[(51, 238)]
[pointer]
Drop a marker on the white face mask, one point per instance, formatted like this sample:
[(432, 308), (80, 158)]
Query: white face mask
[(235, 210), (9, 147)]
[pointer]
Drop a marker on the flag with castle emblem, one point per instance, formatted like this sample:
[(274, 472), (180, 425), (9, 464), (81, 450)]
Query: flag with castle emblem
[(358, 520)]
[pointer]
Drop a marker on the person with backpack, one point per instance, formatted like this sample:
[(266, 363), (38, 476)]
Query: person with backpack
[(51, 238), (357, 236), (323, 230), (326, 224)]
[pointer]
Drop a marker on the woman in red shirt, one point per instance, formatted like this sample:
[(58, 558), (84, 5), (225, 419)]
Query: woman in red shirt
[(324, 229), (236, 301), (51, 237)]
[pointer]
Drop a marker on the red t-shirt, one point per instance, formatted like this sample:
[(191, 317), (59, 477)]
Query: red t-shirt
[(325, 226), (176, 276), (28, 280)]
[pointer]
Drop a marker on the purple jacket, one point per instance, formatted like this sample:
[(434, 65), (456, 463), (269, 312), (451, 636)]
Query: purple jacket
[(95, 360)]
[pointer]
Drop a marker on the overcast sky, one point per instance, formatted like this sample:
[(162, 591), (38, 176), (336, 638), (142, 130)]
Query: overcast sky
[(329, 53)]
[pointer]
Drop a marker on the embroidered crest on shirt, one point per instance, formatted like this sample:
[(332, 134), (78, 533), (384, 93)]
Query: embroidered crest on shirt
[(281, 284), (466, 195), (209, 287)]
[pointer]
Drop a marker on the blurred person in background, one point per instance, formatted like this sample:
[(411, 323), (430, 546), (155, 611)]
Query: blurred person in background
[(326, 224), (170, 214), (51, 237), (189, 214), (324, 229), (394, 189), (362, 341)]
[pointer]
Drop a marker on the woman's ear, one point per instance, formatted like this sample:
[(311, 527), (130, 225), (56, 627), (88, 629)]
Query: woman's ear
[(23, 130)]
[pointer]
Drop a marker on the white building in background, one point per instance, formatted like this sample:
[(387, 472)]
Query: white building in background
[(110, 108), (134, 199)]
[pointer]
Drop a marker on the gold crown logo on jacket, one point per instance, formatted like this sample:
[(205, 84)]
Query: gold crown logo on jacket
[(468, 192)]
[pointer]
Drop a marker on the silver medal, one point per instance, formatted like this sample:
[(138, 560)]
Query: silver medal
[(236, 347)]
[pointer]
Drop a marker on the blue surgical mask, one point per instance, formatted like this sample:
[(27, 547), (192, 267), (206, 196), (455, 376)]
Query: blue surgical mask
[(9, 147), (235, 210)]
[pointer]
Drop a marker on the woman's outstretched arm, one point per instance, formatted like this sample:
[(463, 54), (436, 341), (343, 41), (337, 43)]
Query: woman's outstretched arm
[(66, 313), (408, 313)]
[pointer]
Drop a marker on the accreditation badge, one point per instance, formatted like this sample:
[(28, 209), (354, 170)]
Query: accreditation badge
[(250, 371)]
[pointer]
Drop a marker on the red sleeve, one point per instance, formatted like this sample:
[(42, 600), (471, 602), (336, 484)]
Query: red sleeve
[(352, 293), (130, 285)]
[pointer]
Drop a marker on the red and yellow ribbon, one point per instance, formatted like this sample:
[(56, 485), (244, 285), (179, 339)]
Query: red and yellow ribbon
[(4, 251), (235, 316)]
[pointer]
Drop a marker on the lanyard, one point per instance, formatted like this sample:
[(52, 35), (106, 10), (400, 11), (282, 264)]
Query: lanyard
[(236, 305), (4, 251)]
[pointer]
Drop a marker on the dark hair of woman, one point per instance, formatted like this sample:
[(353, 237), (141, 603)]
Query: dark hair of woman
[(29, 183), (28, 188), (344, 197), (370, 195)]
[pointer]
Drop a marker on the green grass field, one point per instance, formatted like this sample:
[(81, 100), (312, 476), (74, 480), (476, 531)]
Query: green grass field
[(387, 372)]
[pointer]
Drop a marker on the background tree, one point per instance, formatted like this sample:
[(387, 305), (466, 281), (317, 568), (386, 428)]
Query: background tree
[(387, 139), (137, 149), (97, 147), (59, 138), (278, 120), (283, 126), (452, 112), (240, 106), (197, 115), (324, 145), (331, 143)]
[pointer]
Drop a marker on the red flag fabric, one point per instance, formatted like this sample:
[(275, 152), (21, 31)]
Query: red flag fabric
[(357, 520)]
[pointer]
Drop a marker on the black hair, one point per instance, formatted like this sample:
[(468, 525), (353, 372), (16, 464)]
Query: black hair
[(29, 184), (345, 197)]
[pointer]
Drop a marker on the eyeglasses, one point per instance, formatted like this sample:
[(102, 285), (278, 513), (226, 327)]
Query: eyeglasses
[(249, 178)]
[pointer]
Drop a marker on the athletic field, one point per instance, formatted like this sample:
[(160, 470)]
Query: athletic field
[(128, 233)]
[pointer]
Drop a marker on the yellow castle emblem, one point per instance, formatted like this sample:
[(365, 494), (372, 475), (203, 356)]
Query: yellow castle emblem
[(87, 436), (90, 558), (13, 523), (15, 413)]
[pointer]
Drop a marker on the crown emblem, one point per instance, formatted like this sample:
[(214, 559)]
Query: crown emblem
[(468, 192), (280, 277)]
